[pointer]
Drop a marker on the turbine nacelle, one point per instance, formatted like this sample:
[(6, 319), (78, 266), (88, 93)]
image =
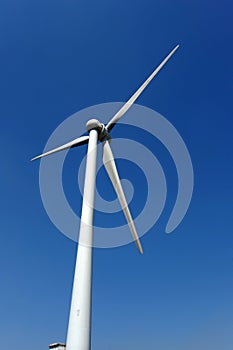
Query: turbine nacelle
[(100, 127), (94, 124)]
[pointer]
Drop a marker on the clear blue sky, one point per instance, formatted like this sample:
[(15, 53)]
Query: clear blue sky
[(57, 57)]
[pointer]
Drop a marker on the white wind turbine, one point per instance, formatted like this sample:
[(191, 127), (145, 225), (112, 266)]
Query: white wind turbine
[(79, 327)]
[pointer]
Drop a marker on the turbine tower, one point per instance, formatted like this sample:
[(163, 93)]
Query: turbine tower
[(79, 327)]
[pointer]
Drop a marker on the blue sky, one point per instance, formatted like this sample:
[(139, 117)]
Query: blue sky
[(57, 57)]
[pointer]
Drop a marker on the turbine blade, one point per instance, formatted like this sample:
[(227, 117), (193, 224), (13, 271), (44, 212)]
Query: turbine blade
[(111, 169), (77, 142), (129, 103)]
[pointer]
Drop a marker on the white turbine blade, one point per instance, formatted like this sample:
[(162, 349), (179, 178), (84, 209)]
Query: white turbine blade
[(77, 142), (110, 166), (129, 103)]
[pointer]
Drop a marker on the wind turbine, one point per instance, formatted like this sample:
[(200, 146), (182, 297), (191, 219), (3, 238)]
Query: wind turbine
[(79, 327)]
